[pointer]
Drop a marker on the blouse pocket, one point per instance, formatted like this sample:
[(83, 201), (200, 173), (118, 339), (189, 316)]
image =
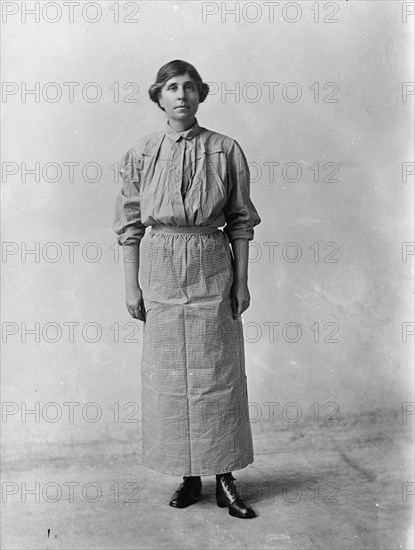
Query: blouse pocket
[(210, 180), (157, 168), (213, 165)]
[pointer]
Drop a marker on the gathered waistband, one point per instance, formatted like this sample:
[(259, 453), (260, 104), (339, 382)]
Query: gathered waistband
[(183, 229)]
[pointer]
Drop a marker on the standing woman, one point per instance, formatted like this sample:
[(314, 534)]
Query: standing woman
[(189, 289)]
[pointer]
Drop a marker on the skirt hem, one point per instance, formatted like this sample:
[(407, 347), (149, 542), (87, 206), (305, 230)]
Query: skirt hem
[(193, 474)]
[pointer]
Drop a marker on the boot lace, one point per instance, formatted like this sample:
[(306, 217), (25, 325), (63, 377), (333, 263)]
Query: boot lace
[(228, 481)]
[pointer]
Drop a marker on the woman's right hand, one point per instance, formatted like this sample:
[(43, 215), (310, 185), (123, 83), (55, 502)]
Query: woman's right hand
[(135, 303)]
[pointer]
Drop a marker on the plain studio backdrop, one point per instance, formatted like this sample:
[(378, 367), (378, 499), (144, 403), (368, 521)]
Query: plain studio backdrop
[(319, 97)]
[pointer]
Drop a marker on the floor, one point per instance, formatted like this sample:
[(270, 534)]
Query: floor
[(344, 485)]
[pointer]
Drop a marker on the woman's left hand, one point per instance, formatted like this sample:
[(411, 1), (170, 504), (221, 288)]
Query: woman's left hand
[(240, 298)]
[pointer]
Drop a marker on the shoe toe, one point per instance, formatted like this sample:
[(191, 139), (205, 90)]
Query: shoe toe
[(241, 510)]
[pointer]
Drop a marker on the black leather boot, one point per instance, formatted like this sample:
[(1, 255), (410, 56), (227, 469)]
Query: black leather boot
[(188, 492), (227, 495)]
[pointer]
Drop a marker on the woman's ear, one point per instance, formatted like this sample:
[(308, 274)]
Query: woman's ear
[(160, 102)]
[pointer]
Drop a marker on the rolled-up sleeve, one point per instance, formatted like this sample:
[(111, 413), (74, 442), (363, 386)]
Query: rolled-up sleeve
[(240, 213), (127, 219)]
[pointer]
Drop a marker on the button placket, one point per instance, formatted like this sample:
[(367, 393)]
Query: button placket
[(189, 166), (178, 178)]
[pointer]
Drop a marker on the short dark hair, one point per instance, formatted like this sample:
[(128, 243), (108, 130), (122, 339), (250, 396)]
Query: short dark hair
[(177, 68)]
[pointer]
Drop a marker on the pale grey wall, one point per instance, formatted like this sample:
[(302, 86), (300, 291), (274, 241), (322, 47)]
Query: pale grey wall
[(366, 213)]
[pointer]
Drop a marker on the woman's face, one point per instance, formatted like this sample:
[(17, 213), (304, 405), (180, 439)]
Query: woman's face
[(179, 97)]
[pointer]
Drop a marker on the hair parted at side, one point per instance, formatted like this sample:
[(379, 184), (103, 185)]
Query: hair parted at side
[(177, 68)]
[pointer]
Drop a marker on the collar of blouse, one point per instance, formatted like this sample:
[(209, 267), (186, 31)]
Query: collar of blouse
[(188, 134)]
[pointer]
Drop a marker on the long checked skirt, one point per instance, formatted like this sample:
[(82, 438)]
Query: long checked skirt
[(195, 415)]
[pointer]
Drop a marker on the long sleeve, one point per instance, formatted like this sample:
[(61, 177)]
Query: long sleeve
[(127, 219), (240, 214)]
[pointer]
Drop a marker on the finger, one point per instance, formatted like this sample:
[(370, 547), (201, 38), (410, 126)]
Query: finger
[(243, 306), (133, 312), (234, 308), (239, 307), (143, 310), (138, 315)]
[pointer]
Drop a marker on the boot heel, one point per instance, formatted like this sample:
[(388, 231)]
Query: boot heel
[(220, 502)]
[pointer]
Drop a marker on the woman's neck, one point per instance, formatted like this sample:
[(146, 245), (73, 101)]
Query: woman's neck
[(180, 126)]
